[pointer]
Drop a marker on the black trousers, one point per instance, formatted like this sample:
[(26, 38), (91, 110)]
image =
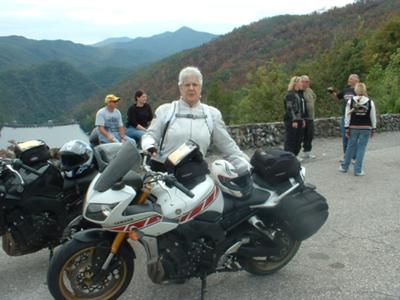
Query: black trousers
[(294, 137), (308, 135)]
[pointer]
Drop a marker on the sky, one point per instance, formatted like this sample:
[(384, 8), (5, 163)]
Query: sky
[(91, 21)]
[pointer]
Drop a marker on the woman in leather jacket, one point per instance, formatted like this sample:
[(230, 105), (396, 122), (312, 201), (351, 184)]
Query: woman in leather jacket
[(295, 111)]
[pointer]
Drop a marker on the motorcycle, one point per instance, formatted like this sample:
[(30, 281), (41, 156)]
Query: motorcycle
[(38, 200), (188, 230)]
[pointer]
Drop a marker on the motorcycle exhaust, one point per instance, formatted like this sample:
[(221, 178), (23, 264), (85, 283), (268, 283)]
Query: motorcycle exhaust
[(259, 251)]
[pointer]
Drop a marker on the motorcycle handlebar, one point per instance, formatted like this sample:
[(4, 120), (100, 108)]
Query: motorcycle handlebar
[(171, 180)]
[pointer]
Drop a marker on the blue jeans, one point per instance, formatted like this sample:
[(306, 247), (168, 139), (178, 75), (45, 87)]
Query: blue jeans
[(116, 138), (345, 140), (343, 133), (357, 145), (134, 133)]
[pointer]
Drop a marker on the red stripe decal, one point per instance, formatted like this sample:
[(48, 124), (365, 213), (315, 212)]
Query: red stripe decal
[(119, 228), (196, 211), (138, 224), (153, 220), (201, 207)]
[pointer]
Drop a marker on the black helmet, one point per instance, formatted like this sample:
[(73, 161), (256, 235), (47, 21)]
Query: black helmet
[(76, 157)]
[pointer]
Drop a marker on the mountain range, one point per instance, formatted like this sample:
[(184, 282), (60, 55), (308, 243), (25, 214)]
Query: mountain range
[(327, 45), (94, 67), (288, 40)]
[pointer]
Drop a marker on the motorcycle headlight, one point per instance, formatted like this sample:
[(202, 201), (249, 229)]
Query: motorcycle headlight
[(99, 212)]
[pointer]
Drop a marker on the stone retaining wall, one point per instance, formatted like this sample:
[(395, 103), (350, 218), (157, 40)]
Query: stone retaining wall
[(272, 134)]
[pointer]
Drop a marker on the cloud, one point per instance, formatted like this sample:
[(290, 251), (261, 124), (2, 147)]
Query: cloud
[(21, 14)]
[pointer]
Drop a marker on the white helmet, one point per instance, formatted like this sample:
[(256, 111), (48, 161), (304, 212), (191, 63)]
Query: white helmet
[(76, 157), (233, 180)]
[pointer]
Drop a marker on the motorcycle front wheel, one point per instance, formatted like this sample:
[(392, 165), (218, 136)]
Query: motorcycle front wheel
[(265, 265), (70, 275)]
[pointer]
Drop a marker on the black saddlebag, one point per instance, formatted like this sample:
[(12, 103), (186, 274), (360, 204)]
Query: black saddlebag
[(275, 166), (32, 152), (305, 211)]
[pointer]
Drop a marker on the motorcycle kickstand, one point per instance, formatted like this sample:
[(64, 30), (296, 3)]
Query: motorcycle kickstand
[(203, 286), (51, 249)]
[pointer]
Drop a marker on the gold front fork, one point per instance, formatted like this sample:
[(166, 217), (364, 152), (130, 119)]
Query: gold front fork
[(119, 238), (144, 194)]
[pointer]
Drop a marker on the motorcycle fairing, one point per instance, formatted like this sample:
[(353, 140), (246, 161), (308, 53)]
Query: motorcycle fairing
[(201, 207), (174, 204), (149, 220)]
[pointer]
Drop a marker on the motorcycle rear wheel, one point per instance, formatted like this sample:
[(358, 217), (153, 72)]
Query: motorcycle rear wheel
[(70, 278), (270, 264)]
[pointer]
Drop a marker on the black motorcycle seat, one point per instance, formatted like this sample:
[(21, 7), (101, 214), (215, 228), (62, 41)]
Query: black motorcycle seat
[(257, 197), (81, 182), (279, 188)]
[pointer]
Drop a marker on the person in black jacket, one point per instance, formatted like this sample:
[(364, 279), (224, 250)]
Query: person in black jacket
[(343, 97), (139, 116), (295, 112)]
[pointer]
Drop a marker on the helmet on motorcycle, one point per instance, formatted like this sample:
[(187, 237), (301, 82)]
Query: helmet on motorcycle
[(76, 157), (233, 177)]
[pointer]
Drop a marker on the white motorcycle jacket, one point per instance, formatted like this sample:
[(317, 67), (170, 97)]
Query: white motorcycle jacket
[(188, 122)]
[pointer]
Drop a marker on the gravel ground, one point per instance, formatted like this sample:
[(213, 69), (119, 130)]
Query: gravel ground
[(356, 254)]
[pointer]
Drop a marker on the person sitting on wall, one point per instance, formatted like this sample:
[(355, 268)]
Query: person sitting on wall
[(139, 116), (109, 122)]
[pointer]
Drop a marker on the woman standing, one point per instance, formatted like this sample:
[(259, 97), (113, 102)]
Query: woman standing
[(139, 116), (360, 123), (295, 111)]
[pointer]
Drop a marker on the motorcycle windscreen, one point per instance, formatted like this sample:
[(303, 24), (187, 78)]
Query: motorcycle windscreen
[(127, 159)]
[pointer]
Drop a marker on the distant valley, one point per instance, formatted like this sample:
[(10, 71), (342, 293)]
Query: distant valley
[(45, 79)]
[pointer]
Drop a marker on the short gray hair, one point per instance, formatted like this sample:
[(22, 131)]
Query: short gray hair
[(355, 76), (190, 71)]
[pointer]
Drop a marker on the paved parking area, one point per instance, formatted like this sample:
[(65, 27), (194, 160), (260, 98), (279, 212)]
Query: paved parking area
[(356, 254)]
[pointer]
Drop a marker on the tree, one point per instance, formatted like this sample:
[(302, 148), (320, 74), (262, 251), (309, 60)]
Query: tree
[(222, 100), (384, 42), (265, 91), (384, 85)]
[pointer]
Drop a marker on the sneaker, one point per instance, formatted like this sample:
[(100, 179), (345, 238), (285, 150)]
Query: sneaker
[(359, 174), (308, 155), (341, 169), (353, 161)]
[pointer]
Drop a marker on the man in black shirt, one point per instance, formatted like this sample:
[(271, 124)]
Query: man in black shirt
[(343, 97)]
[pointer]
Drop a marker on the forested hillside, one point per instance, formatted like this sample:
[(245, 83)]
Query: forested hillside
[(247, 71), (76, 71), (48, 90)]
